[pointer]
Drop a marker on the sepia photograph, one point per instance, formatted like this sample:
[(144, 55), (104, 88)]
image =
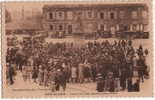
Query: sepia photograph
[(77, 49)]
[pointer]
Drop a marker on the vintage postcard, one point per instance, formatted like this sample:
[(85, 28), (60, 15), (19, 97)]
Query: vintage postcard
[(77, 49)]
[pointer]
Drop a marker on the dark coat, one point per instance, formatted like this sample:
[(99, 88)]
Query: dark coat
[(35, 74), (112, 86), (130, 87), (86, 72), (136, 87), (60, 78)]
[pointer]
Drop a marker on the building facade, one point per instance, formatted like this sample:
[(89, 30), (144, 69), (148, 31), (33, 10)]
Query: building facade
[(84, 18)]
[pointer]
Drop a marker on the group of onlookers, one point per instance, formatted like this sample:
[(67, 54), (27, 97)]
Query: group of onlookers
[(111, 65)]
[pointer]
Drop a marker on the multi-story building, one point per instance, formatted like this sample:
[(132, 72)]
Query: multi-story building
[(90, 18)]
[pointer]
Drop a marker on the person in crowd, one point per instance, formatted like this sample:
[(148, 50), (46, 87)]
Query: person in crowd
[(73, 74), (67, 71), (129, 85), (147, 64), (35, 74), (110, 82), (46, 77), (123, 78), (141, 68), (19, 60), (28, 71), (52, 79), (81, 73), (24, 72), (11, 73), (60, 80), (7, 74), (100, 83), (116, 62), (41, 75), (87, 72), (63, 82), (136, 86)]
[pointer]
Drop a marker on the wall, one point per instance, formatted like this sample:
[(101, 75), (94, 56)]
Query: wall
[(87, 20)]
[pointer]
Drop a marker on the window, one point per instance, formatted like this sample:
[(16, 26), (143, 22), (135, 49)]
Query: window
[(89, 14), (51, 27), (102, 27), (69, 29), (134, 14), (51, 15), (134, 27), (60, 27), (105, 27), (121, 14), (79, 13), (60, 14), (69, 15), (111, 15), (141, 27), (137, 27), (117, 27), (131, 27), (90, 25), (102, 15), (126, 28), (121, 27)]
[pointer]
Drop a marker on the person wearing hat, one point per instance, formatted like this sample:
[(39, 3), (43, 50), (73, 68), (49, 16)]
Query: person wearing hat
[(140, 51), (100, 83), (110, 82), (60, 80)]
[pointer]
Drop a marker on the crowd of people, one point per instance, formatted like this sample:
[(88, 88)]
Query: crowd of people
[(111, 65)]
